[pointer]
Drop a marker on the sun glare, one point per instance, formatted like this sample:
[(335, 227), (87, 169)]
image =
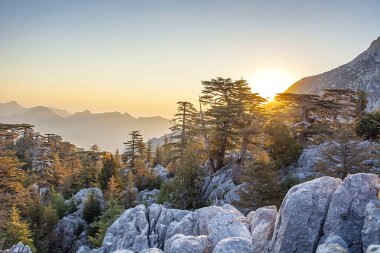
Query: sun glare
[(270, 82)]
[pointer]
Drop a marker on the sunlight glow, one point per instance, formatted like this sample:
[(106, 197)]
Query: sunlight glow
[(270, 82)]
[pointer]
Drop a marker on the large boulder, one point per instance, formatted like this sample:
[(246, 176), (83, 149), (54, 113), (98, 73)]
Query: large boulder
[(346, 213), (187, 244), (19, 248), (234, 245), (299, 222), (161, 172), (373, 249), (130, 231), (261, 224), (227, 223), (71, 229), (371, 227), (333, 244)]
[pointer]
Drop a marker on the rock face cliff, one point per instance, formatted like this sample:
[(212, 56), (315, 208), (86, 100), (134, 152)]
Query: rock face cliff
[(322, 215), (362, 73)]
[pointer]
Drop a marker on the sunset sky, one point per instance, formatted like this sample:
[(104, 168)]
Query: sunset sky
[(143, 56)]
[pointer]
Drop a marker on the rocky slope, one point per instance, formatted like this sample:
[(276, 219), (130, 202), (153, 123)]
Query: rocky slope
[(322, 215), (362, 73)]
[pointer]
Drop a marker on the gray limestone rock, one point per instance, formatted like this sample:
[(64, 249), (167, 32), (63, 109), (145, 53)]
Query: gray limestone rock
[(371, 227), (299, 222), (234, 245), (19, 248), (346, 213), (261, 223)]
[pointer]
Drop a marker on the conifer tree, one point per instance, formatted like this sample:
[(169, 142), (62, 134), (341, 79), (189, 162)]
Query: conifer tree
[(17, 230), (99, 227), (108, 170), (225, 101), (183, 128), (342, 154), (282, 146), (140, 173), (91, 208), (149, 153), (130, 193), (132, 147), (368, 126), (262, 187), (114, 189), (157, 156), (118, 159)]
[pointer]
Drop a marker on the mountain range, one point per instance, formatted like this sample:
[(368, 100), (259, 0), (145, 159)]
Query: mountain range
[(108, 130), (362, 73)]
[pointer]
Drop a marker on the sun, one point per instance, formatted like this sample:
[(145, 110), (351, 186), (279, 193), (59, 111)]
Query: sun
[(270, 82)]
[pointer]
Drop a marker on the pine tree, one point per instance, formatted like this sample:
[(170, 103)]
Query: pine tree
[(12, 176), (262, 187), (140, 173), (130, 193), (226, 102), (91, 208), (368, 126), (149, 153), (118, 160), (108, 170), (342, 154), (183, 128), (157, 156), (305, 114), (99, 227), (184, 191), (17, 230), (58, 203), (283, 148), (133, 148), (91, 168), (114, 190)]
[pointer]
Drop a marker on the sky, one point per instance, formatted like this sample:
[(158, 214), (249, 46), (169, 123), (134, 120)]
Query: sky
[(141, 57)]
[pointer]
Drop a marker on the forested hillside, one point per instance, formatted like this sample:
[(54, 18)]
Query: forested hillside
[(228, 149)]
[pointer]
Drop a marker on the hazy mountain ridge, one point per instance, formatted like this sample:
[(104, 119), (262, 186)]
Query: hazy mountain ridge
[(362, 73), (109, 130)]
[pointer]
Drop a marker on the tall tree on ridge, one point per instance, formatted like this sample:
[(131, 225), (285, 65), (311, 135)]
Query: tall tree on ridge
[(182, 127), (132, 148)]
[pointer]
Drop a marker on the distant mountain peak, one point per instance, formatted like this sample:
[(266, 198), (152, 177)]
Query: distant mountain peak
[(372, 52), (362, 73)]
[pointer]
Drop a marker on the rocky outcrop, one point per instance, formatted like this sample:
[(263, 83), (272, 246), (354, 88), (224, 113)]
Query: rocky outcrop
[(161, 172), (71, 230), (219, 188), (261, 224), (301, 216), (346, 215), (19, 248), (173, 230), (371, 227), (324, 215), (305, 167)]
